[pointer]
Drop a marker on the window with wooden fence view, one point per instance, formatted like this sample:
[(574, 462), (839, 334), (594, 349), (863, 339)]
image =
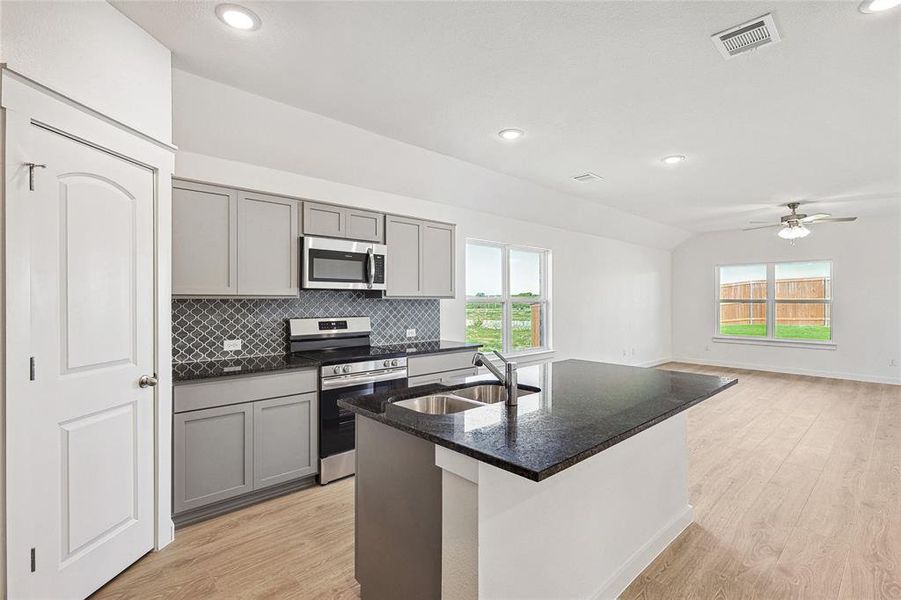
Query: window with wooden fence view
[(506, 297), (791, 300)]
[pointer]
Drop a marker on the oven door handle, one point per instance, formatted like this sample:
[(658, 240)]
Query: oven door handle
[(370, 262), (342, 381)]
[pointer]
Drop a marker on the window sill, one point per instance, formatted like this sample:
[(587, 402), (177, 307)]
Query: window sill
[(526, 357), (776, 343)]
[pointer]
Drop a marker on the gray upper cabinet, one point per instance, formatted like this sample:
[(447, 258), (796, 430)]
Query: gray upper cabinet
[(284, 439), (213, 455), (227, 242), (404, 268), (365, 225), (342, 222), (438, 260), (268, 251), (324, 219), (204, 234), (420, 258)]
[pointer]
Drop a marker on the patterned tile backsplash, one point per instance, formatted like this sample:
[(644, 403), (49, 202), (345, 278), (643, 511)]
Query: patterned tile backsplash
[(200, 325)]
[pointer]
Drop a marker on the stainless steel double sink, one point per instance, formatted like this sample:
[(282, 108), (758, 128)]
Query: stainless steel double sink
[(454, 401)]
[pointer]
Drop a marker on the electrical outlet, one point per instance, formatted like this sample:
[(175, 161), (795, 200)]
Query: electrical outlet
[(707, 348), (411, 333), (231, 345), (893, 362), (633, 351)]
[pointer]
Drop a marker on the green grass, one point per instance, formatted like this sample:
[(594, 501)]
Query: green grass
[(489, 336), (792, 332)]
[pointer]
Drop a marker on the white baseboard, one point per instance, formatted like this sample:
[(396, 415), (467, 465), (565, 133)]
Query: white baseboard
[(791, 371), (644, 556), (654, 363)]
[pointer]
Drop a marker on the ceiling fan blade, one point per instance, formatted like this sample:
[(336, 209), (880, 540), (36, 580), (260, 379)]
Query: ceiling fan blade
[(836, 220), (762, 227), (760, 222), (816, 217)]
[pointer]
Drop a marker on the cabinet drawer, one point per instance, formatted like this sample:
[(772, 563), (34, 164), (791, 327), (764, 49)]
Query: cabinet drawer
[(221, 392), (441, 377), (437, 363)]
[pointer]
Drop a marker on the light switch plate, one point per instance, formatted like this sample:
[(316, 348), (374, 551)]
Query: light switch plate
[(411, 333), (231, 345)]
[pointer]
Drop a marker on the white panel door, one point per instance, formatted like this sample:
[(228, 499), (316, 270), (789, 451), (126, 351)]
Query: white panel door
[(80, 435)]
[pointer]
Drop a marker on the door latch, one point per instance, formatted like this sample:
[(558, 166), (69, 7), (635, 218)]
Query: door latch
[(31, 167)]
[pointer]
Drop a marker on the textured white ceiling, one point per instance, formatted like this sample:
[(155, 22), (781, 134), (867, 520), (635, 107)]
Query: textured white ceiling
[(607, 87)]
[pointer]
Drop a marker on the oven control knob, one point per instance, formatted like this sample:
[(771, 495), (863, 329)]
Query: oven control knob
[(387, 363), (394, 363), (346, 368), (336, 370)]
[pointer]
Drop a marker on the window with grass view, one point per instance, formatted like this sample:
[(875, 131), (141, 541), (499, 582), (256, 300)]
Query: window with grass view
[(506, 297), (789, 301)]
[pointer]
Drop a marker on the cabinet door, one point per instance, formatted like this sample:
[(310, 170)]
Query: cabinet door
[(365, 225), (437, 260), (284, 439), (267, 245), (204, 238), (213, 455), (404, 239), (324, 219)]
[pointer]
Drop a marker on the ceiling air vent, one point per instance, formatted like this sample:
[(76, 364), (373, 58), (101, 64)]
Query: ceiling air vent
[(747, 36), (586, 177)]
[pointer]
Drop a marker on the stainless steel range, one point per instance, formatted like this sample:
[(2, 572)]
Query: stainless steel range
[(350, 367)]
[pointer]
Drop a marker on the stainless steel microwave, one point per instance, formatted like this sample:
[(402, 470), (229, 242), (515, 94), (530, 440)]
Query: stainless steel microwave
[(330, 264)]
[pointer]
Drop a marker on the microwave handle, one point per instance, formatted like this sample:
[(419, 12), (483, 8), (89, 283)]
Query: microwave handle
[(370, 261)]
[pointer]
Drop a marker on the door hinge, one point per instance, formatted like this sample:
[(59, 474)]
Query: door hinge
[(30, 368), (31, 167), (33, 561)]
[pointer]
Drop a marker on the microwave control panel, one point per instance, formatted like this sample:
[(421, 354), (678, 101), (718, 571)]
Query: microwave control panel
[(379, 260)]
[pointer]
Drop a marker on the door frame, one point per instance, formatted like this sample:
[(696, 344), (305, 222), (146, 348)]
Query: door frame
[(23, 102)]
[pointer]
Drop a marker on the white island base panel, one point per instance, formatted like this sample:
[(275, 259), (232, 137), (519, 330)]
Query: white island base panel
[(586, 532)]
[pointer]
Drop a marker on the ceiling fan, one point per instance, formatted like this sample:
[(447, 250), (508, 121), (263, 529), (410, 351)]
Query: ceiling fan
[(794, 225)]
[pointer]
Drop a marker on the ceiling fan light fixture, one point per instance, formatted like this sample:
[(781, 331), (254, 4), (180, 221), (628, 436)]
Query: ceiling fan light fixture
[(875, 6), (793, 232)]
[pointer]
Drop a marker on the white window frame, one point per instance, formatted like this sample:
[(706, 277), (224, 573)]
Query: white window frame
[(507, 301), (770, 339)]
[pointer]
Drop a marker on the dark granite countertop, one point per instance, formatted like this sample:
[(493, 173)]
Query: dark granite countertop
[(584, 407), (195, 371), (233, 367)]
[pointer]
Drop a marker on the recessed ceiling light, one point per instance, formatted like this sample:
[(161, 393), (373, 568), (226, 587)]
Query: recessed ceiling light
[(673, 159), (238, 17), (511, 134), (875, 6)]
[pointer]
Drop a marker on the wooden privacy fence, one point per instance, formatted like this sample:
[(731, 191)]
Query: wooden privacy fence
[(813, 289)]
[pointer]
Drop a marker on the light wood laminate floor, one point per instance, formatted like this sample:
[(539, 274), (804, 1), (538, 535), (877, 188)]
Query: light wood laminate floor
[(796, 484)]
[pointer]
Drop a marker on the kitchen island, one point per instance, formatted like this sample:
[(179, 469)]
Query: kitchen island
[(570, 494)]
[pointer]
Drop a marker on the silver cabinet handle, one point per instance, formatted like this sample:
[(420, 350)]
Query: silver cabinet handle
[(148, 381)]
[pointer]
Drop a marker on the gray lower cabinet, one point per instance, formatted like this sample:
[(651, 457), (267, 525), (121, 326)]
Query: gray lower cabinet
[(421, 258), (268, 252), (204, 233), (283, 447), (213, 455), (234, 436)]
